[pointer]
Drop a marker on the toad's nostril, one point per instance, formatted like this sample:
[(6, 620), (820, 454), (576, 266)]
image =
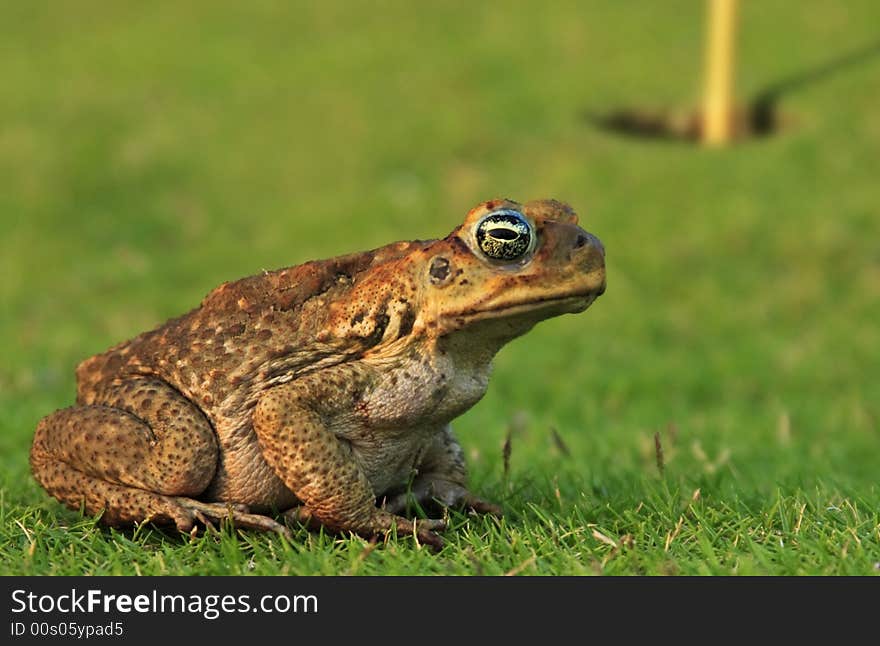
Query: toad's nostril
[(580, 241)]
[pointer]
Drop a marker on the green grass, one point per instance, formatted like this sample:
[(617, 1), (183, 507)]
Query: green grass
[(148, 153)]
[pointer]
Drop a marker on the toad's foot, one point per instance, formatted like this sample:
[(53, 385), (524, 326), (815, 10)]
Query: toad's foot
[(423, 529), (190, 511), (427, 492)]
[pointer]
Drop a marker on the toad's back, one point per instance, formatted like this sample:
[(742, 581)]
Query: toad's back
[(246, 336)]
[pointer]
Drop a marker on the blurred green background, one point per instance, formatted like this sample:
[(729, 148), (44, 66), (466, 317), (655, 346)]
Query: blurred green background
[(149, 152)]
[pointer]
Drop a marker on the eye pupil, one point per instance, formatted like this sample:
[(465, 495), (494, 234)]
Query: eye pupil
[(504, 235)]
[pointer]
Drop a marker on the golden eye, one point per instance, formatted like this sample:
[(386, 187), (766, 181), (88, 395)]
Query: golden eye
[(504, 235)]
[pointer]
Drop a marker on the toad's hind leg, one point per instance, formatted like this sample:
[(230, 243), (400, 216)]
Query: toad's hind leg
[(136, 452)]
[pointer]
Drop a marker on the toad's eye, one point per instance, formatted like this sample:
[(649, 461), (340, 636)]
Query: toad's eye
[(505, 235)]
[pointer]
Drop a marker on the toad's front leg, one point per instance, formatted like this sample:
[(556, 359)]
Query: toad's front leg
[(441, 480), (292, 422)]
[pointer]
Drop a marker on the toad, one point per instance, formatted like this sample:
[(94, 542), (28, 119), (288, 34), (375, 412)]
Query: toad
[(322, 392)]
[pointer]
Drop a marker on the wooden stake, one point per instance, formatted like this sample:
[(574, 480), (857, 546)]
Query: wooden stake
[(718, 97)]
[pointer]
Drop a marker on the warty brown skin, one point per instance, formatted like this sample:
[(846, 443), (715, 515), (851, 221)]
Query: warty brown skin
[(323, 391)]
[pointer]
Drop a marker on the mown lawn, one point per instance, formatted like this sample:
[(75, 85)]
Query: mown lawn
[(150, 152)]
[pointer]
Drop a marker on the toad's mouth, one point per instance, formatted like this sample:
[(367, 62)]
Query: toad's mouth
[(569, 303)]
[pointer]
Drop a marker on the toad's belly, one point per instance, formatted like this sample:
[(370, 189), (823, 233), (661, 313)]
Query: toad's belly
[(392, 463), (244, 476)]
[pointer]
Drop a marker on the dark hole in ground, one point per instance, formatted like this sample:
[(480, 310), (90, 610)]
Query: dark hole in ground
[(758, 120), (761, 117)]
